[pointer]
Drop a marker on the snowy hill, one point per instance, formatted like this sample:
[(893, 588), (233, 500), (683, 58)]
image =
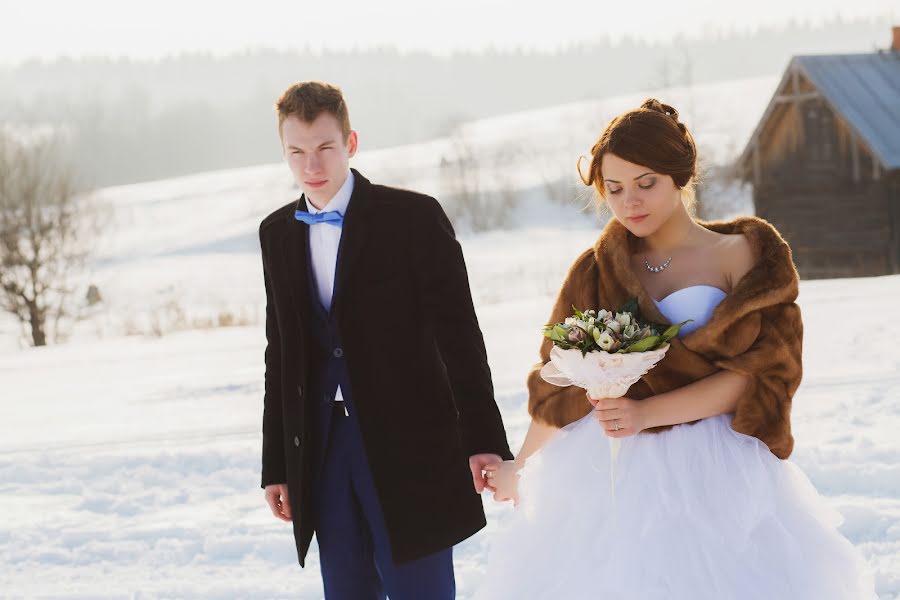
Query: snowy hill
[(185, 251)]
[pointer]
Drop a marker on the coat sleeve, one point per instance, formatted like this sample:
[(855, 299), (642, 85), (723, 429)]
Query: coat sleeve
[(548, 403), (443, 285), (273, 459), (773, 365)]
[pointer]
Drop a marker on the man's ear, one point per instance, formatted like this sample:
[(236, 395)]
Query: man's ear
[(352, 143)]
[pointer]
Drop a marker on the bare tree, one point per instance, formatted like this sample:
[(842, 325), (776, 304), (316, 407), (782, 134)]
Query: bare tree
[(505, 160), (461, 181), (47, 227)]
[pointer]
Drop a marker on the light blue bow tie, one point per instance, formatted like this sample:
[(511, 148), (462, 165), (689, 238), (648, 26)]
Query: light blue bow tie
[(332, 217)]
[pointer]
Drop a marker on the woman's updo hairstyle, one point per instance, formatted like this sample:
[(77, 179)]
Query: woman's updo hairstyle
[(651, 136)]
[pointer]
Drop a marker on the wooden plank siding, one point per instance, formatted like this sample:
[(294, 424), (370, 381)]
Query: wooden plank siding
[(824, 191)]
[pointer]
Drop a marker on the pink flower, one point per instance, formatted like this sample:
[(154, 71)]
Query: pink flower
[(577, 334)]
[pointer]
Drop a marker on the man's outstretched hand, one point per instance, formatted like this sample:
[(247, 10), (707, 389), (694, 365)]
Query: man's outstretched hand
[(477, 462), (277, 497)]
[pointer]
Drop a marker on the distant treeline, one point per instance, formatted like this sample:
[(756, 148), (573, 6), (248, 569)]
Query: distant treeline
[(141, 120)]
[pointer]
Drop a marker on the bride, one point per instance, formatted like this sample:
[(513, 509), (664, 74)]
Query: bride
[(705, 504)]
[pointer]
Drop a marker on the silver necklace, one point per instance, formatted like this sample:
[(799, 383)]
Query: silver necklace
[(662, 267), (653, 269)]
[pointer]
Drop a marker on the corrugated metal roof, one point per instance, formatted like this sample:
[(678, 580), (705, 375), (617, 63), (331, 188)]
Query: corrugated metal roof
[(863, 89)]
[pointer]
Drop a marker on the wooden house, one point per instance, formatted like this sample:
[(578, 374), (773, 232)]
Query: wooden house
[(824, 162)]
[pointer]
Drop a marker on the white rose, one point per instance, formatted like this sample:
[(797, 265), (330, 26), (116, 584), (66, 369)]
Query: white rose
[(605, 341), (602, 314), (614, 326), (623, 319), (570, 320), (630, 331)]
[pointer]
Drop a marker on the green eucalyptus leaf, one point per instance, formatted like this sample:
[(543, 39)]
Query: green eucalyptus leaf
[(558, 338), (648, 343), (672, 331)]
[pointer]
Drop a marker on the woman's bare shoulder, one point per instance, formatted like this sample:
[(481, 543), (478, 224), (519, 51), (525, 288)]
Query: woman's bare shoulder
[(736, 256)]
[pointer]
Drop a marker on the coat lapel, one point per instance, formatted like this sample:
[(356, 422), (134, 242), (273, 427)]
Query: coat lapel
[(353, 238), (294, 248)]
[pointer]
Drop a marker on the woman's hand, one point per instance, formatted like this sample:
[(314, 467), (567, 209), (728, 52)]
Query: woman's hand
[(504, 478), (630, 415)]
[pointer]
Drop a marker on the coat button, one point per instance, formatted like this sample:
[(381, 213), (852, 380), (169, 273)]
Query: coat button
[(296, 441), (338, 352)]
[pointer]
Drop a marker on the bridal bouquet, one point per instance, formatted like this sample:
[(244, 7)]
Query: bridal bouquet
[(605, 353)]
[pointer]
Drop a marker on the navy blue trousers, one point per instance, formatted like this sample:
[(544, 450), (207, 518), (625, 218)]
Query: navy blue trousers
[(354, 551)]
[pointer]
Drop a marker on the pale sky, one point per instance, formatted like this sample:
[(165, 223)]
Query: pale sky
[(49, 29)]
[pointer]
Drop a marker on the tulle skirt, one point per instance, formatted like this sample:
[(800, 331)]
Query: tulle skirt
[(699, 511)]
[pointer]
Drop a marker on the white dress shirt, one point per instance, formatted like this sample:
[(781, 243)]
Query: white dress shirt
[(324, 240)]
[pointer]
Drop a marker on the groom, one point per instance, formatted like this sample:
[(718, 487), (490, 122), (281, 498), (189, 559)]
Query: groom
[(379, 413)]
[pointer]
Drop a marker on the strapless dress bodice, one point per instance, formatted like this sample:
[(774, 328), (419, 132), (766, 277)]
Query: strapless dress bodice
[(695, 302)]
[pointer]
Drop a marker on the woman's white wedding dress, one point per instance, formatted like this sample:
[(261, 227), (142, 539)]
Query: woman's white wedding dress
[(701, 512)]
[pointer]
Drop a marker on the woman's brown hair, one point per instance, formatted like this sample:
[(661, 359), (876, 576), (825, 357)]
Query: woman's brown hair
[(651, 136)]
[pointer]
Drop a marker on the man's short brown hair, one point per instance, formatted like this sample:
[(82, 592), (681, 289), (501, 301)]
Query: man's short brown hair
[(306, 100)]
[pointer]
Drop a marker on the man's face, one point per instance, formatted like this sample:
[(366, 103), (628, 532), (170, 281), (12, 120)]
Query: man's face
[(318, 155)]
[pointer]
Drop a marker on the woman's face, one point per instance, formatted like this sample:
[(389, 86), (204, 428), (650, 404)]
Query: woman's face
[(640, 198)]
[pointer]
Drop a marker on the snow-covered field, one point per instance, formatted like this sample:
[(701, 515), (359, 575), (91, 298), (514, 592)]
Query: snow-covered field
[(185, 249), (129, 465)]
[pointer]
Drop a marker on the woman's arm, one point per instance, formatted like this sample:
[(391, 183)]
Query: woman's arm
[(537, 435), (503, 476), (716, 394), (713, 395)]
